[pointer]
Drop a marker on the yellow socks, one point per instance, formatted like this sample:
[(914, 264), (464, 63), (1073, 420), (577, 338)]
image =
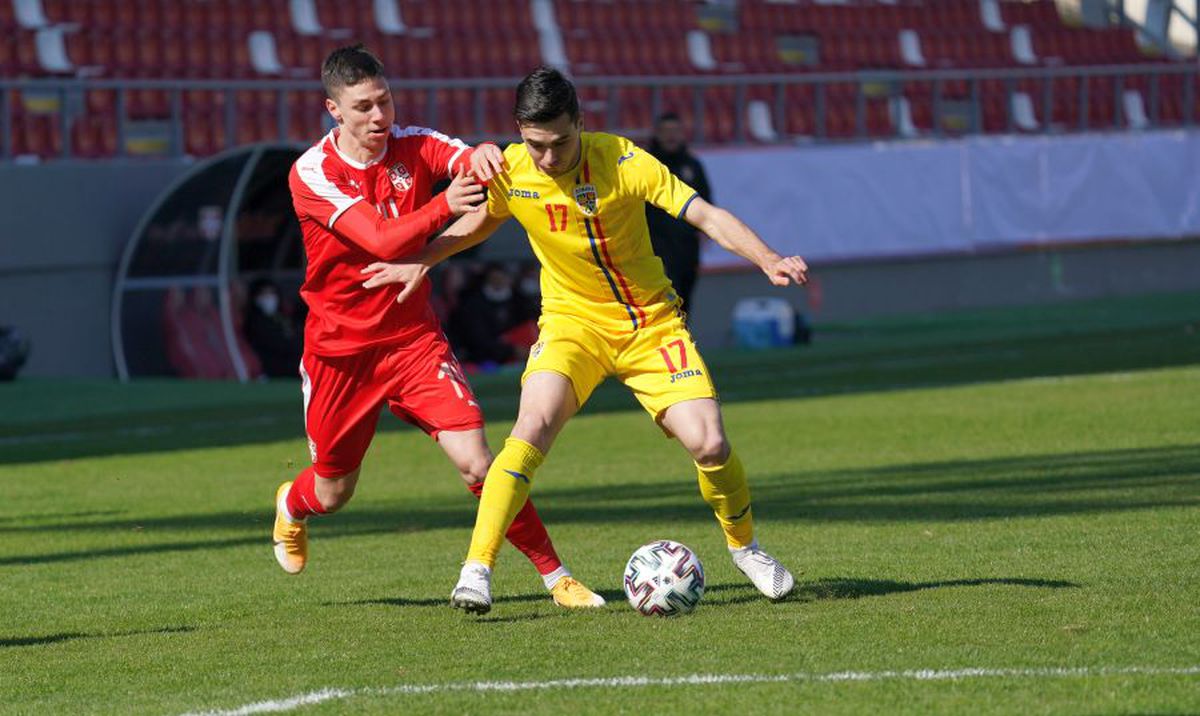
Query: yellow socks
[(505, 491), (725, 490)]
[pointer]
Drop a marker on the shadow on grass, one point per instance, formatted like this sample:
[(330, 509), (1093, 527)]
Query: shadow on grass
[(430, 602), (59, 516), (11, 642), (403, 602), (857, 588), (499, 619), (931, 353), (743, 592), (950, 491)]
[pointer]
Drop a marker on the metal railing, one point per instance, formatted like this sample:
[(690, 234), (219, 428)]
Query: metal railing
[(787, 96)]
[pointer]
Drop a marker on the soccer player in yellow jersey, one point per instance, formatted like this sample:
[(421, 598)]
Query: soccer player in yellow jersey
[(607, 309)]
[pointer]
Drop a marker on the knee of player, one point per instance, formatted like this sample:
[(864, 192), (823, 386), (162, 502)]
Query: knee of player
[(536, 430), (712, 450)]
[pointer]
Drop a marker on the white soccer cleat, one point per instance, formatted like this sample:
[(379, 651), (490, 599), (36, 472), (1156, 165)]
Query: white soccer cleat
[(765, 572), (473, 592)]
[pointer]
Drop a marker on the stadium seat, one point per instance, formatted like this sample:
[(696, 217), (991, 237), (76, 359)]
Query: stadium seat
[(233, 39), (36, 136), (25, 55), (147, 104), (94, 137), (100, 102)]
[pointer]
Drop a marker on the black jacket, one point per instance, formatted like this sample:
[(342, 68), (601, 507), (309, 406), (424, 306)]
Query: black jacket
[(676, 241)]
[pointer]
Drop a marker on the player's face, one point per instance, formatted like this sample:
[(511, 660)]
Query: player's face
[(669, 134), (554, 146), (365, 112)]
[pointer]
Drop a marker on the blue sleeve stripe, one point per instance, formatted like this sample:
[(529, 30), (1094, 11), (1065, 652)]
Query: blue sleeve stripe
[(686, 204)]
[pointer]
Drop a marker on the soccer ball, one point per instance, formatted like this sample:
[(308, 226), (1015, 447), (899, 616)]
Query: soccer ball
[(664, 579)]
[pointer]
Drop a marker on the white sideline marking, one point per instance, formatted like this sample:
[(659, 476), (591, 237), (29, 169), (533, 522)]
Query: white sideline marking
[(317, 697)]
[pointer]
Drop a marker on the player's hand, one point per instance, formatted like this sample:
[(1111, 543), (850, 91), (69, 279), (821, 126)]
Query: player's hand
[(409, 275), (464, 195), (487, 161), (785, 270)]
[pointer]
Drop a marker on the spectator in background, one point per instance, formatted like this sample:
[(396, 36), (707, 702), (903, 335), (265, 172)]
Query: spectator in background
[(529, 293), (14, 349), (448, 287), (271, 331), (488, 319), (675, 241)]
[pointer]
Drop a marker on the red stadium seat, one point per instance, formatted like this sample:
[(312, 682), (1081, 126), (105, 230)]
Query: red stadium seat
[(36, 135), (8, 17), (147, 104), (148, 48), (305, 128), (879, 118), (94, 138), (454, 38), (1037, 13), (125, 60), (799, 110), (26, 55), (100, 102), (1102, 110), (840, 121), (8, 59)]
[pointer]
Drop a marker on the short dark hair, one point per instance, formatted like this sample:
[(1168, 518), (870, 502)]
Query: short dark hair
[(544, 95), (668, 116), (347, 66)]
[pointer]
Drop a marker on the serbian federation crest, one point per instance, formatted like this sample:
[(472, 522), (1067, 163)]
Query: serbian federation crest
[(400, 177), (587, 199)]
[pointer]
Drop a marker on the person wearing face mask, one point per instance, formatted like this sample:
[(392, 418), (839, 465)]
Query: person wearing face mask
[(271, 333), (486, 313), (529, 293), (675, 241)]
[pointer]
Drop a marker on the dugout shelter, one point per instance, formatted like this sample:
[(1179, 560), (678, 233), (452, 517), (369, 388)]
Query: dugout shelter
[(180, 292)]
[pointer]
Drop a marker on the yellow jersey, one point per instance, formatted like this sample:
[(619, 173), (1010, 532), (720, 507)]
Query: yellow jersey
[(588, 230)]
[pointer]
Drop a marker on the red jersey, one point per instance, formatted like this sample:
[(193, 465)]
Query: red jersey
[(353, 214)]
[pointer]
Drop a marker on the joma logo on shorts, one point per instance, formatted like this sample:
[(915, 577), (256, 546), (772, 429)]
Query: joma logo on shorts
[(685, 374)]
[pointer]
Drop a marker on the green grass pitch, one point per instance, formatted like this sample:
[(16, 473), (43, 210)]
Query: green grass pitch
[(993, 511)]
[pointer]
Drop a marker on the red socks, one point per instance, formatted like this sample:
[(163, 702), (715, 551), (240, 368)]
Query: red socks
[(529, 535), (302, 498), (527, 532)]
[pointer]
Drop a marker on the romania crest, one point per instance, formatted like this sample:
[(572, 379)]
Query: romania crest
[(587, 199), (400, 177)]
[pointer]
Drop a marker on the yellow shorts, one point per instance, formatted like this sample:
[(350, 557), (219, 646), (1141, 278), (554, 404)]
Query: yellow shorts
[(659, 362)]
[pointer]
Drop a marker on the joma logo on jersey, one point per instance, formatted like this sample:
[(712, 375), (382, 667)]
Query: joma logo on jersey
[(685, 374), (400, 177), (515, 193), (587, 199)]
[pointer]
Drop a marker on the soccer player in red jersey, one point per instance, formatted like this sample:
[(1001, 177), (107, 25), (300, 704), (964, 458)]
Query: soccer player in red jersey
[(363, 193)]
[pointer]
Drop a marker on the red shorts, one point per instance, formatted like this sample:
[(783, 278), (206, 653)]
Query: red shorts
[(420, 381)]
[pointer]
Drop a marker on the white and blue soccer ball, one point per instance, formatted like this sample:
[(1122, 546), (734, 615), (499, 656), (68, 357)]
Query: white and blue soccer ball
[(664, 579)]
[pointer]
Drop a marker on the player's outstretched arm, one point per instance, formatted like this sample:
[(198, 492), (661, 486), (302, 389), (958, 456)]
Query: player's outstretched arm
[(388, 239), (733, 235), (468, 231)]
